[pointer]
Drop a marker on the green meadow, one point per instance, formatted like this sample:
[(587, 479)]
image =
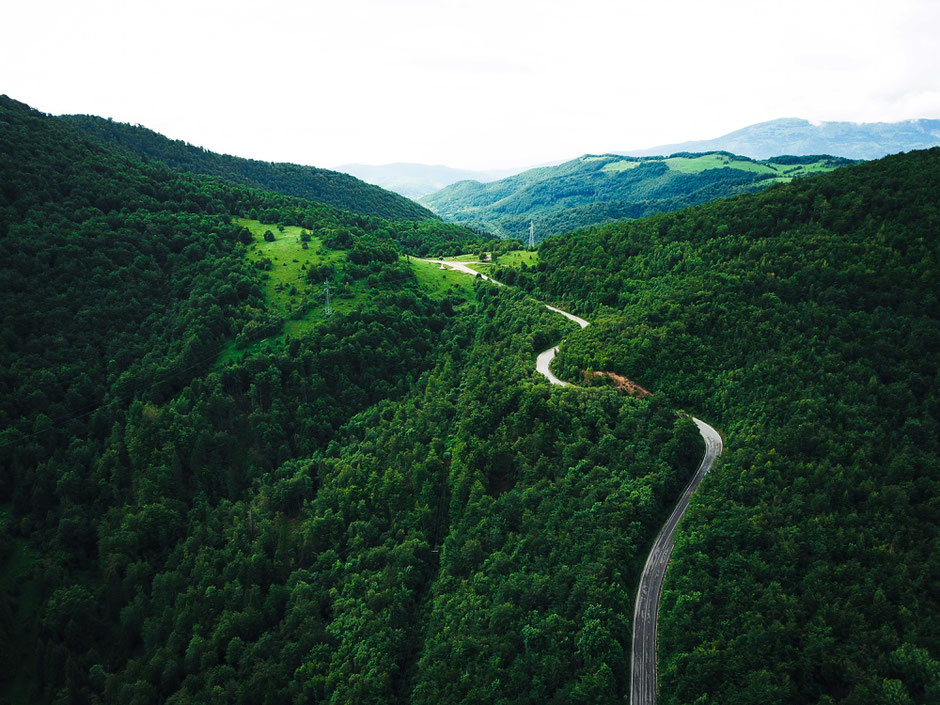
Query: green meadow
[(512, 258), (619, 166), (283, 265), (781, 172), (440, 283)]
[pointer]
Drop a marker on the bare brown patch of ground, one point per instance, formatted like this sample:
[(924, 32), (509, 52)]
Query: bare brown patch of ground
[(624, 384)]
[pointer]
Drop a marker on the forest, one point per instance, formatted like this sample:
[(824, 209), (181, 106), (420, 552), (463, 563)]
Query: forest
[(803, 323), (330, 187), (390, 505)]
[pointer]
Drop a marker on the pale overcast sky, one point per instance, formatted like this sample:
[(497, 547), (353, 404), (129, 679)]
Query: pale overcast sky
[(482, 83)]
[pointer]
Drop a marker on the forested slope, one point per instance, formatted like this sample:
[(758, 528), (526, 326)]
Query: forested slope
[(330, 187), (121, 282), (803, 322), (594, 189), (391, 507)]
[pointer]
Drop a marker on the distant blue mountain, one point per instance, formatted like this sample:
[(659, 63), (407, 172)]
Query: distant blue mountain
[(855, 140), (416, 180)]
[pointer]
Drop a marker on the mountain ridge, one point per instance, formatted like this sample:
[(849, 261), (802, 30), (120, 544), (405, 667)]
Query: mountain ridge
[(593, 189), (313, 183), (798, 136)]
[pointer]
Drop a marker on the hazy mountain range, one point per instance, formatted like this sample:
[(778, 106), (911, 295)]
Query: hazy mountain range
[(793, 136), (855, 140), (416, 180)]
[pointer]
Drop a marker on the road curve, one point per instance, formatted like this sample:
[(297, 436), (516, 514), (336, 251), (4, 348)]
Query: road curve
[(544, 360), (462, 267), (646, 611)]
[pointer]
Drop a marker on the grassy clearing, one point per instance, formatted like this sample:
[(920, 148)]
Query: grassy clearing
[(781, 172), (301, 304), (290, 262), (440, 283), (695, 165), (619, 166), (818, 167), (286, 288), (513, 258), (462, 258), (516, 257), (505, 261)]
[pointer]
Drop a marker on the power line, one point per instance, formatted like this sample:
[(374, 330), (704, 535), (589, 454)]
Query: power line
[(167, 374)]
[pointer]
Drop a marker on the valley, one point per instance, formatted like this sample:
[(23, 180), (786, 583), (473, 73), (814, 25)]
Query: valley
[(643, 654), (214, 491)]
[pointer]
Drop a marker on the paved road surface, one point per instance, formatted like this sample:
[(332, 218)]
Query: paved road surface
[(646, 612), (462, 267), (545, 357)]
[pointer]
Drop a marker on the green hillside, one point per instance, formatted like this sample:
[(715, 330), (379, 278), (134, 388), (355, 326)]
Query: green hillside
[(211, 491), (804, 322), (598, 188), (203, 503), (330, 187)]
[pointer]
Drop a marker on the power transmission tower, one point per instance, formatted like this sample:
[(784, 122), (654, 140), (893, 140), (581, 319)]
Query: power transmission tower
[(531, 234), (329, 308)]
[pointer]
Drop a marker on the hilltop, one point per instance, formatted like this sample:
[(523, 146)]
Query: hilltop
[(330, 187), (597, 188)]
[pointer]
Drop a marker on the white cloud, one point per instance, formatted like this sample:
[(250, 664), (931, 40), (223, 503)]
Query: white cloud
[(475, 84)]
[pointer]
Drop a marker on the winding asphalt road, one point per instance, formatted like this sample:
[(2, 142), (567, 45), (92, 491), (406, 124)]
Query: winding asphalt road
[(462, 267), (646, 610), (544, 360)]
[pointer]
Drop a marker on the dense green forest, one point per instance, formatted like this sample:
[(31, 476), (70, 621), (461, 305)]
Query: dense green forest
[(391, 506), (598, 188), (803, 322), (120, 285), (330, 187), (212, 492)]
